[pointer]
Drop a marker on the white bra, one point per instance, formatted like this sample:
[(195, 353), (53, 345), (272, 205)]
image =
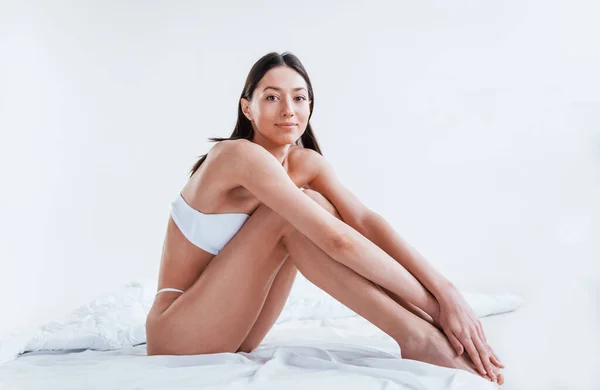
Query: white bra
[(210, 232)]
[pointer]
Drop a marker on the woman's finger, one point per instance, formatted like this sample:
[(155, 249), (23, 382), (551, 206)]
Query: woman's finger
[(473, 354), (456, 344), (495, 358), (486, 376), (485, 357), (481, 332)]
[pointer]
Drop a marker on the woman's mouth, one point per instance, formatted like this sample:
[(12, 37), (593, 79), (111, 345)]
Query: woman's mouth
[(286, 127)]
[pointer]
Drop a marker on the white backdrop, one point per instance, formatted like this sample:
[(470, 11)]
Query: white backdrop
[(471, 126)]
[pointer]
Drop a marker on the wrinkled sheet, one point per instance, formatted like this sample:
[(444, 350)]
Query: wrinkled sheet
[(550, 343), (117, 319), (341, 353)]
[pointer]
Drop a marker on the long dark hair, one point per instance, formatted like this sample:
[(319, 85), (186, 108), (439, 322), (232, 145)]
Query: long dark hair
[(243, 127)]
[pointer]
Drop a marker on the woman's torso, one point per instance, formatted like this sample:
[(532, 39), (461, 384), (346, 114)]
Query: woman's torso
[(211, 192)]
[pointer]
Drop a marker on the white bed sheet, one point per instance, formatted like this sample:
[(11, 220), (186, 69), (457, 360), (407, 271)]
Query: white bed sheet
[(343, 353), (551, 343)]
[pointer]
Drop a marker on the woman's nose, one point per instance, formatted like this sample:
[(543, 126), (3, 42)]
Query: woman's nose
[(287, 108)]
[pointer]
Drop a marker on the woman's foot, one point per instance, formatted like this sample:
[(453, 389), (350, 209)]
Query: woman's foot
[(432, 346)]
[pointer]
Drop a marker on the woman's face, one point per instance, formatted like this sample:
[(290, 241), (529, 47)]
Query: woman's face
[(280, 97)]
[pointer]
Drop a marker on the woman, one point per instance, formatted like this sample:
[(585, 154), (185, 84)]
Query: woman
[(263, 204)]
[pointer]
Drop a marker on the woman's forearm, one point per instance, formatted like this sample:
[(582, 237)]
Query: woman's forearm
[(381, 233), (366, 258)]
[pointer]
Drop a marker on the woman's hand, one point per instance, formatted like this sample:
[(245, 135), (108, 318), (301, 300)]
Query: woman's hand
[(464, 331)]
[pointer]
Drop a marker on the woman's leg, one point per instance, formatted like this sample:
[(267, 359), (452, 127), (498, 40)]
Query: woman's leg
[(212, 317), (216, 313), (278, 295), (418, 339), (280, 290)]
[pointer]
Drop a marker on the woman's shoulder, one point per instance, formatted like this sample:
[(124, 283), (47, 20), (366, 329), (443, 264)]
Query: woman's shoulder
[(233, 155), (234, 147), (240, 151), (242, 147), (307, 159), (228, 150)]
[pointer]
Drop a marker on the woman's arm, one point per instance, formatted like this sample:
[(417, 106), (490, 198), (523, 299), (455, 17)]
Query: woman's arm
[(357, 215), (455, 316), (261, 173), (374, 227), (449, 311)]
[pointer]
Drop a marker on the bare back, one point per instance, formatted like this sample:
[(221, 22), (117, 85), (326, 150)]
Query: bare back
[(211, 190)]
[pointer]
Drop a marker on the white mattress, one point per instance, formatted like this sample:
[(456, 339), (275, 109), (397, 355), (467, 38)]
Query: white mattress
[(550, 343)]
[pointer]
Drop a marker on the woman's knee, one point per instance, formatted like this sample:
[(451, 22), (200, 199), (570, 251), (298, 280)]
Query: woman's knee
[(276, 223), (322, 201)]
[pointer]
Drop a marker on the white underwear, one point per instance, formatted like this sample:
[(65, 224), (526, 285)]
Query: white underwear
[(169, 289)]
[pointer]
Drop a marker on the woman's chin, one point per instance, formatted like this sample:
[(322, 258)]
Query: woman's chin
[(288, 140)]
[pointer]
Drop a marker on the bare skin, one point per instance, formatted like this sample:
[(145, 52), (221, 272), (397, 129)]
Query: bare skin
[(417, 338), (261, 261)]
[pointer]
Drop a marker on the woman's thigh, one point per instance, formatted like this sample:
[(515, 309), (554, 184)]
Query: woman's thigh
[(217, 312), (274, 304), (281, 287)]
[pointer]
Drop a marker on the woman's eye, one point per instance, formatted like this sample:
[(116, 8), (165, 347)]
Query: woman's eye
[(273, 96)]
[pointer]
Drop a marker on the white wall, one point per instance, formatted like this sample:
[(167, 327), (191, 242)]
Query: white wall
[(472, 127)]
